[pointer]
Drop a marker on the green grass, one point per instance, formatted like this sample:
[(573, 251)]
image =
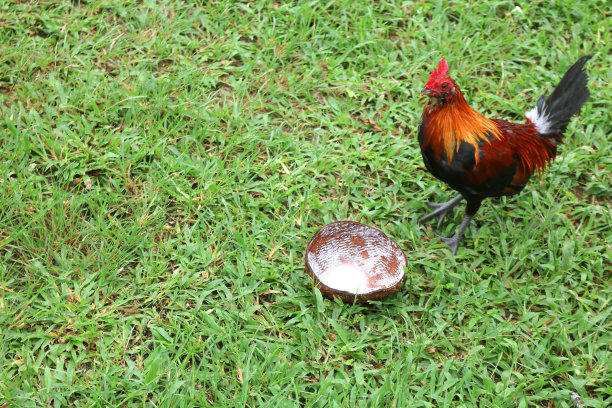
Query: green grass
[(163, 164)]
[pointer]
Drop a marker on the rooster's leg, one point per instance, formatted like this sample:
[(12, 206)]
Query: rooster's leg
[(470, 211), (441, 210)]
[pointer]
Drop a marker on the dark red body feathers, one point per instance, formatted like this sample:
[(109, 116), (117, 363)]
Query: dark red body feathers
[(485, 163)]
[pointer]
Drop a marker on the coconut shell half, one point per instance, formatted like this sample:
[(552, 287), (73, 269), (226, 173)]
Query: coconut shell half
[(354, 262)]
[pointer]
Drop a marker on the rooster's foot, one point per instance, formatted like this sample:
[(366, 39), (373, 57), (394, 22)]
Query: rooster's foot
[(441, 210), (452, 243)]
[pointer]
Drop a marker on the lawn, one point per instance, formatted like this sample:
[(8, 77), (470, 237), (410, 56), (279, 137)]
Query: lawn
[(164, 163)]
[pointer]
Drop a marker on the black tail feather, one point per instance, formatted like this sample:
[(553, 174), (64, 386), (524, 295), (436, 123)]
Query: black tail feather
[(567, 98)]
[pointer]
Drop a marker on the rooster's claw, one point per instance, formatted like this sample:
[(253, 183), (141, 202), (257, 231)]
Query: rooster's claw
[(441, 210), (452, 243)]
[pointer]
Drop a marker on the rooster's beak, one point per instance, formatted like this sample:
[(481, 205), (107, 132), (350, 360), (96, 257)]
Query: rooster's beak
[(425, 91)]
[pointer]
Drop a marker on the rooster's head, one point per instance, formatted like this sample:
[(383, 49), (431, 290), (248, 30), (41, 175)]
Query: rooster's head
[(440, 86)]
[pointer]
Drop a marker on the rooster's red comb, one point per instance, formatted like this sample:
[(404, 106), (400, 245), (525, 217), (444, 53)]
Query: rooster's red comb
[(440, 72)]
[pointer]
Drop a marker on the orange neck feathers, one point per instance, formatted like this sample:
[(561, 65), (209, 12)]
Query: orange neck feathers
[(448, 124)]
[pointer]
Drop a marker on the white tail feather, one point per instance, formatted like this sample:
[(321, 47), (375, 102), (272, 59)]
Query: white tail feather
[(540, 120)]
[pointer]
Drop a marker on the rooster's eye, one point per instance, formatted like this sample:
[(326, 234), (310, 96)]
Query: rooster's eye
[(444, 85)]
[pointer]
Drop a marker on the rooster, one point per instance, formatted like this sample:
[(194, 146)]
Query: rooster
[(480, 157)]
